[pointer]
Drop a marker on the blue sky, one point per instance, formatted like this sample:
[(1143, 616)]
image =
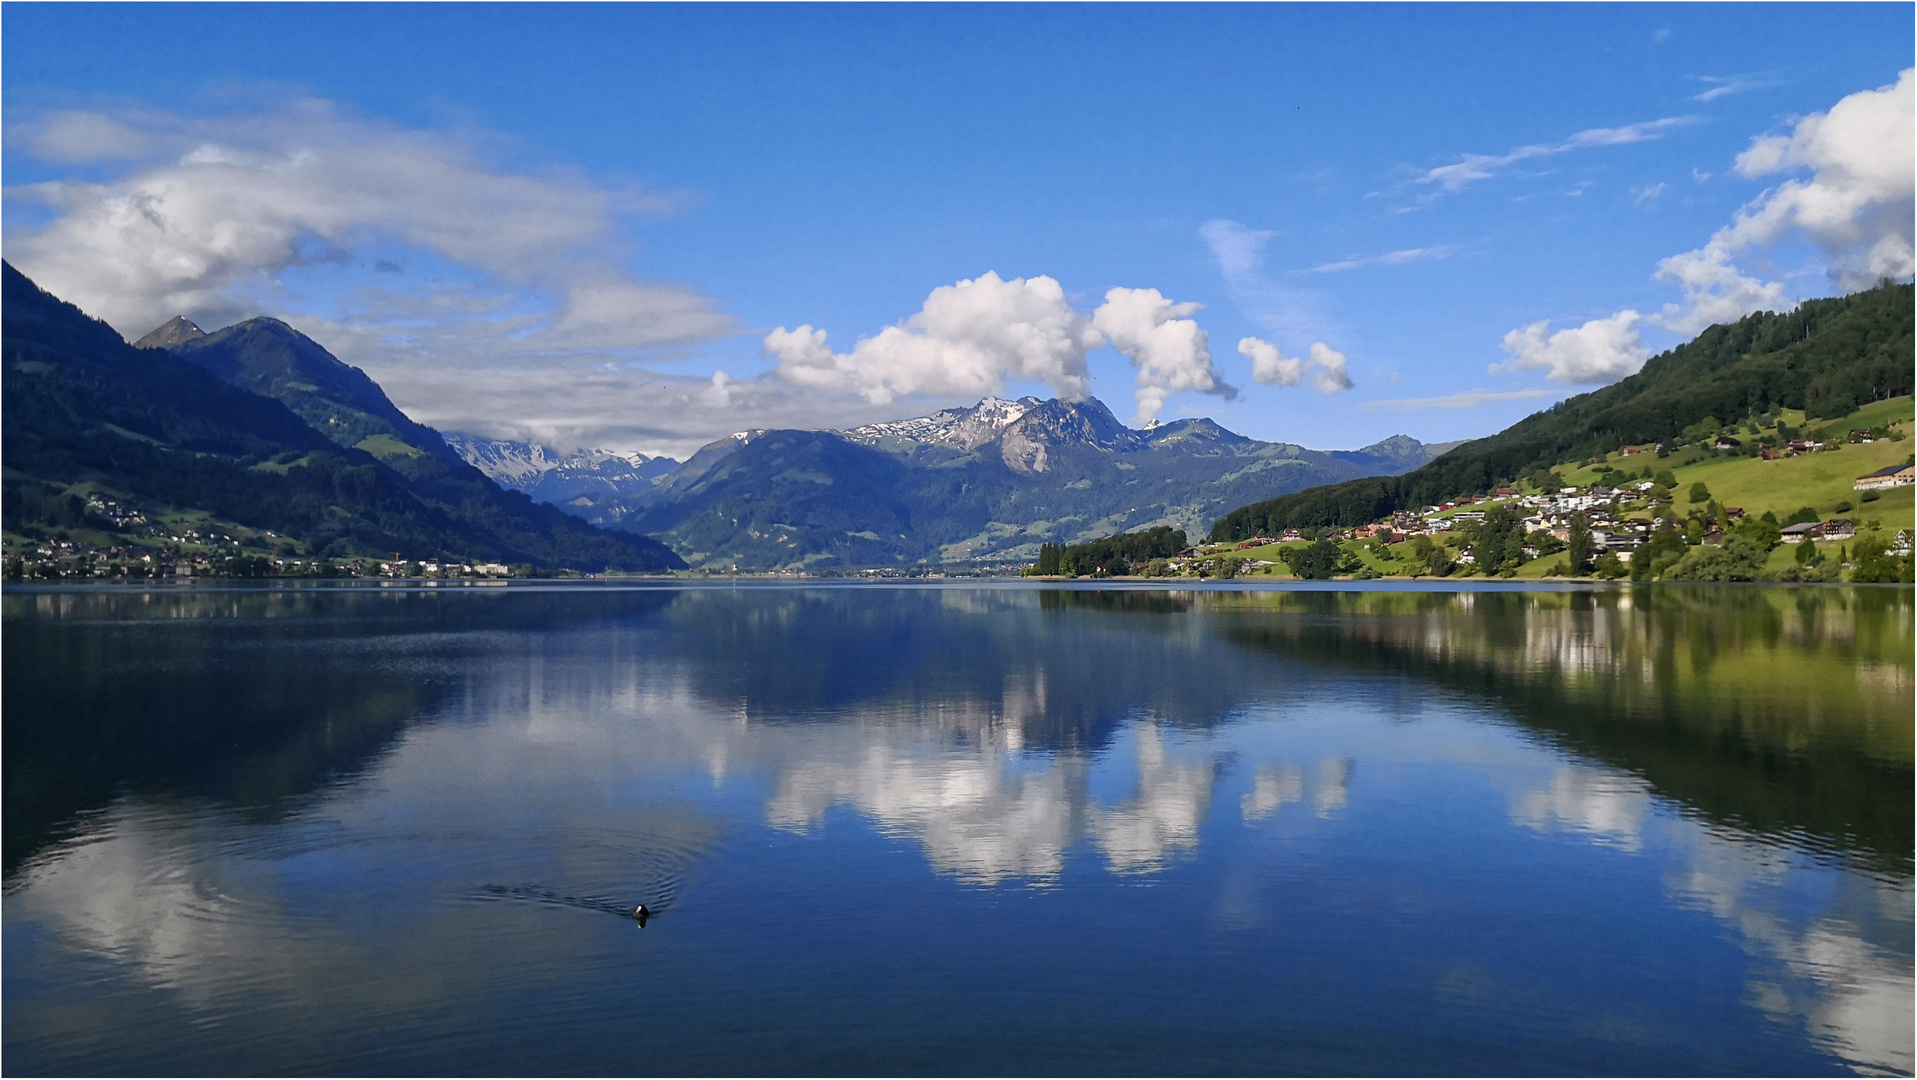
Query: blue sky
[(562, 221)]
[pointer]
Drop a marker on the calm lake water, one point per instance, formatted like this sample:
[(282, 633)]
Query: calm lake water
[(958, 829)]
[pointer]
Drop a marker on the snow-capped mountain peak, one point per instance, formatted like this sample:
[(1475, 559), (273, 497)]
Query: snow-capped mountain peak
[(550, 476), (965, 428)]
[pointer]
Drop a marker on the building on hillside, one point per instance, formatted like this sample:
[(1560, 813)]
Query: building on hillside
[(1798, 533), (1889, 476), (1725, 442), (1632, 451), (1837, 529)]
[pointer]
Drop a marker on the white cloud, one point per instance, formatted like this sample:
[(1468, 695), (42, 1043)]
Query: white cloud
[(1164, 343), (1472, 168), (1715, 291), (1269, 366), (1648, 192), (1331, 377), (74, 138), (1600, 351), (1389, 258), (1468, 399), (1858, 203), (966, 341), (1725, 85), (222, 209)]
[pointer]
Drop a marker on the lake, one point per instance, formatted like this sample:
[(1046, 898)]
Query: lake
[(958, 828)]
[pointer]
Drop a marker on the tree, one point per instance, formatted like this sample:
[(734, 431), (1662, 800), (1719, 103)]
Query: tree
[(1700, 493), (1049, 556), (1739, 559), (1665, 547), (1609, 566), (1873, 562), (1316, 561), (1581, 547)]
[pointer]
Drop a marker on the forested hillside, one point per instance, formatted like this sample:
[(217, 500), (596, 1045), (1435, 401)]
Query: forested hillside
[(1827, 357), (86, 412)]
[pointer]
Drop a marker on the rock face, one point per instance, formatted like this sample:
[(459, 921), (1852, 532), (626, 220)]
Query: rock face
[(983, 484)]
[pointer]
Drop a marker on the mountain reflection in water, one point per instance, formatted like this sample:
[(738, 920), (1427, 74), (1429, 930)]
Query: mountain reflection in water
[(1666, 829)]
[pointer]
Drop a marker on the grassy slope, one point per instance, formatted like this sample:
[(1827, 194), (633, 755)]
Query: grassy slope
[(1820, 480)]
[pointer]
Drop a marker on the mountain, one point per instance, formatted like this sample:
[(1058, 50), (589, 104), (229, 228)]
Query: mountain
[(1826, 357), (577, 482), (181, 429), (983, 484)]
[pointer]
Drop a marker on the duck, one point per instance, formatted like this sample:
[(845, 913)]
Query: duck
[(642, 913)]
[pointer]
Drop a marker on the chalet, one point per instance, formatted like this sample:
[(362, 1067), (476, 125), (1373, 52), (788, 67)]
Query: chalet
[(1900, 545), (1768, 454), (1631, 451), (1715, 536), (1798, 533), (1862, 435), (1889, 476), (1803, 446), (1734, 513), (1837, 529), (1725, 442), (1506, 492)]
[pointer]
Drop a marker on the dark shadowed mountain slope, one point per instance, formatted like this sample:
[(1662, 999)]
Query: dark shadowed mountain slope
[(1826, 357), (84, 409)]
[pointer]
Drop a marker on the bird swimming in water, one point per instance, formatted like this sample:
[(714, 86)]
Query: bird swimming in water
[(642, 913)]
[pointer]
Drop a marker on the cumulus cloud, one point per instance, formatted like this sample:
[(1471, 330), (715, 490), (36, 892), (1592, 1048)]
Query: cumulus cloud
[(1715, 291), (1857, 204), (1331, 376), (214, 214), (1164, 343), (966, 341), (1470, 169), (1600, 351), (1269, 366)]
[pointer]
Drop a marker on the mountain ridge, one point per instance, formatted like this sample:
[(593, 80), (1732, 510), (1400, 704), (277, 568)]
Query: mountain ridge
[(983, 484), (84, 411)]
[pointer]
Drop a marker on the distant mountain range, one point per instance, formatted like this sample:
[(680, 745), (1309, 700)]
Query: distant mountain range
[(983, 484), (258, 426)]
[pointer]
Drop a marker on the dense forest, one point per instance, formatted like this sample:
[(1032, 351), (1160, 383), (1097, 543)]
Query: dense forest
[(1827, 357), (1112, 556)]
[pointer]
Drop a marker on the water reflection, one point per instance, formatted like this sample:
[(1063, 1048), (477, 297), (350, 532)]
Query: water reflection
[(325, 785)]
